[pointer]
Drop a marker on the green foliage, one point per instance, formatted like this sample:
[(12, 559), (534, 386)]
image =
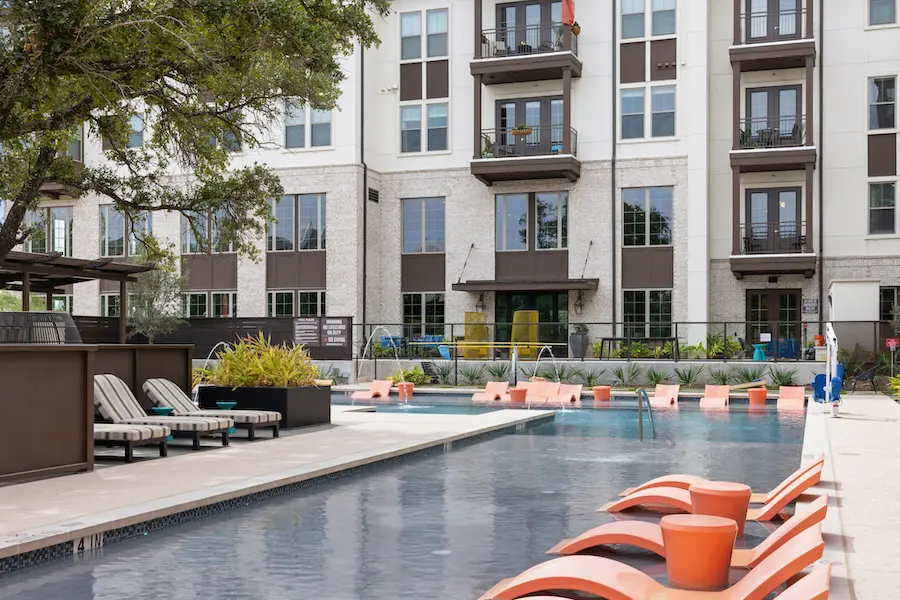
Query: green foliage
[(883, 366), (665, 351), (748, 374), (782, 377), (207, 76), (720, 377), (335, 374), (655, 377), (597, 348), (255, 362), (527, 371), (688, 376), (693, 351), (499, 371), (444, 372), (379, 351), (579, 328), (732, 347), (856, 361), (895, 386), (572, 375), (715, 346), (626, 376), (472, 374), (591, 377), (154, 299), (414, 375), (12, 303)]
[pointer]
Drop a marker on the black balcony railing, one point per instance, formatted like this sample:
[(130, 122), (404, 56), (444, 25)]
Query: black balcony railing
[(773, 26), (538, 140), (773, 132), (786, 237), (534, 39)]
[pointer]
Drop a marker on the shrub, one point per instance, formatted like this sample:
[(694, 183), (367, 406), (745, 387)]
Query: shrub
[(689, 376), (255, 362), (626, 376), (472, 375), (444, 372), (572, 375), (334, 374), (528, 372), (664, 351), (720, 377), (415, 376), (782, 377), (592, 378), (655, 377), (715, 346), (499, 371), (745, 374), (596, 348)]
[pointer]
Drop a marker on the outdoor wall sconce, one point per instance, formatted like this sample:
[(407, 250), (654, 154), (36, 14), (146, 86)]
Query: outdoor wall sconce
[(479, 306), (579, 303)]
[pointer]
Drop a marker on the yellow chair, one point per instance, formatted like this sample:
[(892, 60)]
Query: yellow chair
[(525, 332), (476, 331)]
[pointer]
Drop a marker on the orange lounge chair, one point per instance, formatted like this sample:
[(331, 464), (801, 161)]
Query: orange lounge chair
[(715, 396), (378, 389), (493, 390), (685, 482), (791, 397), (649, 536), (613, 580), (665, 396), (680, 498), (520, 385), (566, 393)]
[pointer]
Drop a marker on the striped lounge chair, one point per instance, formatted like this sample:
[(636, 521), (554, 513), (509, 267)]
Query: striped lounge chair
[(112, 434), (163, 392), (116, 403)]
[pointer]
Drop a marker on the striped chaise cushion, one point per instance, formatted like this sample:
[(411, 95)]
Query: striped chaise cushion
[(256, 417), (184, 423), (163, 392), (128, 433)]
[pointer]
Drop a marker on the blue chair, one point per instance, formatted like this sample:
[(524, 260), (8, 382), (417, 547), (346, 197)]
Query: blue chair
[(818, 386), (837, 384), (445, 352)]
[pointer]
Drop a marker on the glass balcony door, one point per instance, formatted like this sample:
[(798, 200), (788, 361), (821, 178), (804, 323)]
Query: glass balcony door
[(772, 20), (542, 116), (772, 224)]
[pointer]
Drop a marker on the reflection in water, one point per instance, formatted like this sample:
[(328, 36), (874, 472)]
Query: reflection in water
[(441, 526)]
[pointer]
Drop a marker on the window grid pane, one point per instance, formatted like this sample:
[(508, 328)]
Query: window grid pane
[(633, 113), (37, 239), (312, 222), (661, 215), (882, 12), (321, 128), (634, 217), (281, 232), (61, 231), (882, 102), (136, 137), (413, 215), (438, 27), (224, 305), (410, 36), (189, 242), (634, 313), (663, 17), (412, 315), (437, 127), (887, 299), (552, 229), (112, 230), (411, 128), (660, 314), (512, 222), (294, 125), (434, 314), (632, 19), (882, 208), (662, 101)]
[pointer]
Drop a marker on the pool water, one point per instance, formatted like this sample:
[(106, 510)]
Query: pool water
[(441, 526)]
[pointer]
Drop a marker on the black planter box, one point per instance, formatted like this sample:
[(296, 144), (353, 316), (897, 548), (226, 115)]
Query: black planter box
[(299, 406)]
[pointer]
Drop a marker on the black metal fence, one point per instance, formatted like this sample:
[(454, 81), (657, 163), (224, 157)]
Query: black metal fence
[(781, 237), (537, 140), (784, 131), (522, 41)]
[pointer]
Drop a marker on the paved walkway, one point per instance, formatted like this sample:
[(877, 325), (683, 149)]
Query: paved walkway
[(862, 449), (43, 513)]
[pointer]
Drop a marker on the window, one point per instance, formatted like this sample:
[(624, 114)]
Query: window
[(281, 231), (195, 305), (224, 305), (219, 246), (882, 102), (37, 239), (112, 231), (662, 105), (294, 126), (76, 145), (281, 304), (193, 229), (663, 17), (423, 225), (437, 127), (311, 304), (438, 25), (882, 206), (632, 19), (410, 36), (423, 314), (312, 221), (141, 226), (882, 12), (321, 128), (62, 303), (298, 135), (648, 216), (52, 230), (136, 137), (552, 220), (109, 305), (887, 298), (512, 222), (647, 313), (411, 128), (633, 113)]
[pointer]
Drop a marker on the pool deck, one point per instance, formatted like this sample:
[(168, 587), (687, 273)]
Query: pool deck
[(862, 527), (45, 513)]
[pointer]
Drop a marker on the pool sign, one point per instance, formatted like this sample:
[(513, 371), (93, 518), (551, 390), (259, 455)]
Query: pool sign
[(335, 331), (892, 343)]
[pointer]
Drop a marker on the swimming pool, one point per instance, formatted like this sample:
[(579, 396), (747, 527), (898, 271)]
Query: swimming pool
[(442, 526)]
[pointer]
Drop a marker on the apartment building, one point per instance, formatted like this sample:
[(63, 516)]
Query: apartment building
[(674, 161)]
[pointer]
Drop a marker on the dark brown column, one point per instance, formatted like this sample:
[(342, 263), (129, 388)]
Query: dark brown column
[(477, 119), (478, 25), (50, 300), (808, 34), (810, 139), (26, 292), (736, 105), (567, 111), (737, 22), (123, 311), (735, 211), (809, 209)]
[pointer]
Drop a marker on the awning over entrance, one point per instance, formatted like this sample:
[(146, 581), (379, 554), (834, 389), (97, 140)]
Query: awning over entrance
[(486, 285)]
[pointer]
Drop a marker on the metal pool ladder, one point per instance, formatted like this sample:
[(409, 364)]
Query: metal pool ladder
[(642, 399)]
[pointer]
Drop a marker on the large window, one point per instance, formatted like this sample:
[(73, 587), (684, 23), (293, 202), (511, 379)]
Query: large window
[(887, 298), (198, 305), (281, 304), (423, 314), (882, 12), (310, 304), (661, 109), (438, 27), (647, 313), (512, 222), (281, 231), (112, 231), (635, 16), (552, 220), (76, 145), (437, 125), (52, 230), (633, 19), (423, 225), (195, 305), (662, 106), (882, 102), (411, 128), (648, 216), (633, 113), (135, 135), (311, 211), (411, 35), (200, 231), (306, 127), (882, 208), (109, 305), (224, 304)]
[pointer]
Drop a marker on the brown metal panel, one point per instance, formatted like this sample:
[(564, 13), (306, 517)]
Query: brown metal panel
[(119, 360), (411, 81), (167, 362), (773, 159), (663, 59), (633, 62), (198, 270), (512, 169), (490, 285), (224, 271), (295, 270), (795, 264), (765, 57), (108, 287), (883, 155), (437, 79), (312, 269), (423, 272), (532, 266), (525, 68), (648, 267)]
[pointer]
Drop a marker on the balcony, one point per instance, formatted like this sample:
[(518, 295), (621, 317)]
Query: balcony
[(773, 144), (774, 39), (539, 152), (779, 248), (533, 53)]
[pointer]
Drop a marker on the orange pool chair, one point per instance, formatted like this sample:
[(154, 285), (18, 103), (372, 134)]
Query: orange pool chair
[(567, 394), (791, 397), (649, 536), (680, 498), (664, 396), (685, 481), (715, 396), (493, 390), (613, 580), (378, 389)]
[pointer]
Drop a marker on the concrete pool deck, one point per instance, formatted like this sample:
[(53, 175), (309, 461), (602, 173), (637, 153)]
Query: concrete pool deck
[(41, 514)]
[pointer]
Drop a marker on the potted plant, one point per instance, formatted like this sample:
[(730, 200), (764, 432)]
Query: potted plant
[(576, 29), (261, 376), (578, 340), (521, 129), (488, 147)]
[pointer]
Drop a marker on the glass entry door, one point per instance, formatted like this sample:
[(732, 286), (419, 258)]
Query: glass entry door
[(553, 315), (772, 20), (542, 116), (776, 313), (773, 222)]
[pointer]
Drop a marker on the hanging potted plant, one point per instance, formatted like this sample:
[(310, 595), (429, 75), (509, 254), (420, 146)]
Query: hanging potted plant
[(578, 340), (488, 147), (576, 29), (521, 129)]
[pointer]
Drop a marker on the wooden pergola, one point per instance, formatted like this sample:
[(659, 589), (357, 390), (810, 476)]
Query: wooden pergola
[(29, 273)]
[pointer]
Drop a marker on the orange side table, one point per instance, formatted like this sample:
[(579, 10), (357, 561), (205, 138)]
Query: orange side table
[(722, 499), (602, 393), (517, 394), (405, 390), (757, 396), (698, 550)]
